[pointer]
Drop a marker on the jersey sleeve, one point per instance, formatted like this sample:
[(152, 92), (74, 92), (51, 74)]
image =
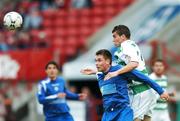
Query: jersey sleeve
[(137, 75), (71, 95), (42, 98)]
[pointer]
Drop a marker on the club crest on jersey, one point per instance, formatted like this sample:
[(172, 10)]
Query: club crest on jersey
[(56, 88)]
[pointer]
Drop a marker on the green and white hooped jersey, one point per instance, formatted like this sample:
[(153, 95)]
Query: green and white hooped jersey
[(163, 82), (129, 51)]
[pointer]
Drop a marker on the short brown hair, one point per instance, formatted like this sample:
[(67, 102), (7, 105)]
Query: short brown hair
[(105, 53), (122, 29), (53, 63)]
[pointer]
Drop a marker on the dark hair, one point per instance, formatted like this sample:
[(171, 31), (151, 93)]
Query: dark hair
[(53, 63), (158, 60), (122, 29), (105, 53)]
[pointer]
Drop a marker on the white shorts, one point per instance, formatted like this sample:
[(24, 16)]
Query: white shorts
[(143, 103), (160, 115)]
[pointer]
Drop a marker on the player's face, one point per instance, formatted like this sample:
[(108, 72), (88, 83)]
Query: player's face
[(158, 68), (102, 64), (52, 71), (117, 40)]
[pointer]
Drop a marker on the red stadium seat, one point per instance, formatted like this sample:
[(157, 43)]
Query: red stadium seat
[(49, 33), (59, 23), (72, 31), (58, 43), (85, 30), (85, 12), (98, 11), (61, 14), (111, 11), (47, 23), (85, 21), (72, 42), (60, 32), (49, 13), (72, 21), (98, 21), (73, 13)]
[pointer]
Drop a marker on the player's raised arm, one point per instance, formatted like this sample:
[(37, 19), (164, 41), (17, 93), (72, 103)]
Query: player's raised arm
[(137, 75), (88, 71)]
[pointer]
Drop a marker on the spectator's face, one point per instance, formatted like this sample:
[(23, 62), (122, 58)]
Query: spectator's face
[(158, 68), (117, 40), (102, 64), (52, 71)]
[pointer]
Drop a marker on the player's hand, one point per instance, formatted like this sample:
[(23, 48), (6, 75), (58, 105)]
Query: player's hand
[(82, 96), (61, 95), (110, 75), (165, 96), (88, 71)]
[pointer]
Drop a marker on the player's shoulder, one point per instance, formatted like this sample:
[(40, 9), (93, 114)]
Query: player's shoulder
[(127, 42), (60, 78), (164, 77), (128, 45), (44, 81), (99, 75), (152, 75), (115, 67)]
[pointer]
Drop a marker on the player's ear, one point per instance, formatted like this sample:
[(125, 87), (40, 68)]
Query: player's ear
[(108, 61), (123, 36)]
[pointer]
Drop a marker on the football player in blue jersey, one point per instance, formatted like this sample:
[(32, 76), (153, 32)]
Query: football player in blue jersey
[(115, 90), (52, 94)]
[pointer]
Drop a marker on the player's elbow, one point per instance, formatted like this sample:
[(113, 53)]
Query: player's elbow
[(134, 64)]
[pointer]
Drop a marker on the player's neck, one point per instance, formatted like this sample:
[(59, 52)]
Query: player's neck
[(107, 69), (53, 78), (159, 75)]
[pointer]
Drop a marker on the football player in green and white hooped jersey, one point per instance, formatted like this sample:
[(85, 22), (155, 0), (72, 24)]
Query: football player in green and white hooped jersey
[(160, 111), (129, 55)]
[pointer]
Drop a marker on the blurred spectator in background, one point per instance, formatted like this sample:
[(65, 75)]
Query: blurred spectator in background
[(64, 4), (23, 41), (23, 7), (42, 42), (45, 4), (10, 116), (59, 3), (33, 20), (81, 3), (2, 108), (160, 112), (73, 89), (11, 42), (90, 104), (3, 45)]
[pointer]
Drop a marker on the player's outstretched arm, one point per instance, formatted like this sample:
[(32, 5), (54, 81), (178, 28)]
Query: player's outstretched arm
[(139, 76), (129, 67), (74, 96), (88, 71)]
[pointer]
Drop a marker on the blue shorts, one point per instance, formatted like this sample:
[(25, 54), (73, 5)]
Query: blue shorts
[(61, 117), (125, 114)]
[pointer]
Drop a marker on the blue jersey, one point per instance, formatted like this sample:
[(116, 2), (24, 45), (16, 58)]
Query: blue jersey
[(115, 90), (47, 96)]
